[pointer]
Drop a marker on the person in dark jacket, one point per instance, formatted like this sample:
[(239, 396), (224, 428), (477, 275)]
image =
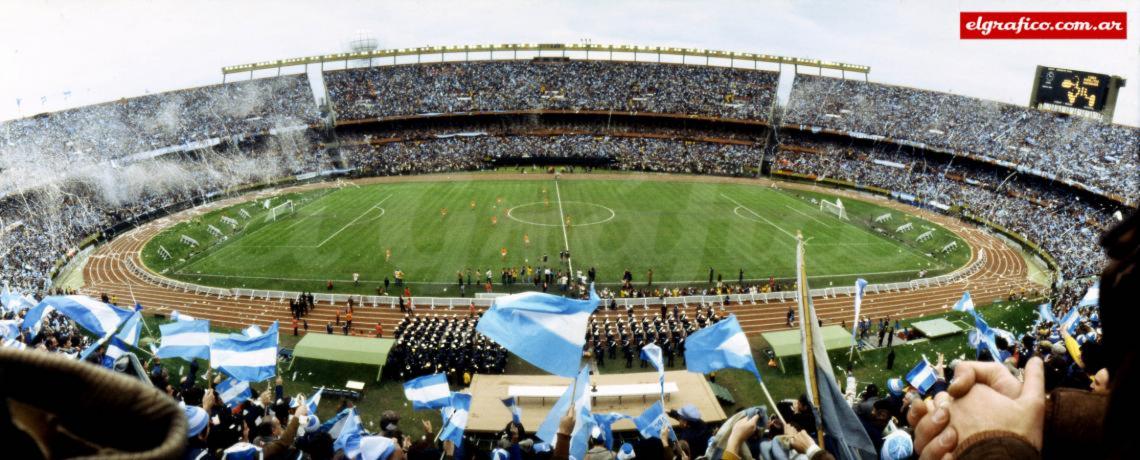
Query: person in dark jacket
[(691, 429)]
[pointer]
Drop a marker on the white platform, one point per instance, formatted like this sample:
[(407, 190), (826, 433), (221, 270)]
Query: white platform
[(618, 391)]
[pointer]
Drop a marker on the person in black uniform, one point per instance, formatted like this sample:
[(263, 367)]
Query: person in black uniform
[(668, 350), (628, 350)]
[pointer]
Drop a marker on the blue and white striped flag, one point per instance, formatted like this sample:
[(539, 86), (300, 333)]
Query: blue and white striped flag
[(650, 422), (922, 376), (652, 353), (722, 345), (120, 343), (455, 418), (1092, 296), (985, 336), (860, 285), (513, 406), (333, 426), (583, 424), (605, 422), (251, 359), (9, 328), (13, 343), (14, 302), (1045, 311), (95, 316), (242, 451), (965, 303), (348, 440), (548, 430), (185, 339), (1070, 320), (376, 447), (546, 330), (428, 392), (233, 392), (314, 401)]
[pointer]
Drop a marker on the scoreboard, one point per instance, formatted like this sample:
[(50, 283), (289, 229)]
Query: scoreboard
[(1075, 92)]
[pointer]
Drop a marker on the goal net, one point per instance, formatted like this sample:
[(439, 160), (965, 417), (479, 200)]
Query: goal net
[(281, 210), (833, 208)]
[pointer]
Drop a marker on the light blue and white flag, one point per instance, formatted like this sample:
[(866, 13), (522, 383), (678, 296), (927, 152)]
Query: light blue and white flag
[(97, 317), (652, 353), (722, 345), (348, 439), (860, 285), (252, 359), (584, 423), (376, 447), (455, 418), (985, 336), (242, 451), (175, 316), (119, 344), (234, 392), (13, 343), (546, 330), (650, 422), (333, 426), (548, 430), (513, 406), (314, 401), (605, 422), (185, 339), (922, 376), (9, 328), (1070, 321), (965, 303), (1045, 311), (428, 392), (1092, 296), (14, 302)]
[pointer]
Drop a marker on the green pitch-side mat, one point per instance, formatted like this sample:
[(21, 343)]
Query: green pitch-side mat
[(936, 328), (787, 343), (344, 349)]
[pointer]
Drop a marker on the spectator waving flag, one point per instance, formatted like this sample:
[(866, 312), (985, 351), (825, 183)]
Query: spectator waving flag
[(1045, 311), (922, 376), (584, 423), (185, 339), (650, 422), (513, 406), (605, 422), (428, 392), (549, 428), (719, 346), (234, 392), (334, 425), (965, 303), (1070, 320), (9, 328), (97, 317), (860, 285), (652, 353), (348, 440), (314, 401), (455, 418), (249, 358), (1092, 296), (546, 330), (120, 343)]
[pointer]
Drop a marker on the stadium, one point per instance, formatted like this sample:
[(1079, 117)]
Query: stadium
[(375, 213)]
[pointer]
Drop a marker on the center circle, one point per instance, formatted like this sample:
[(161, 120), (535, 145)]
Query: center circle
[(597, 213)]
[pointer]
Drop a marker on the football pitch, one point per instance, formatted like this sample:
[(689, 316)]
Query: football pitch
[(433, 230)]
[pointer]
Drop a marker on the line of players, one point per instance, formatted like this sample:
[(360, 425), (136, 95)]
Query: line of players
[(667, 328)]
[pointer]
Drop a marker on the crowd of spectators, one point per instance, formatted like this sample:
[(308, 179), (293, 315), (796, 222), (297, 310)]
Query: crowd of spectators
[(1055, 218), (142, 124), (573, 85), (1075, 148)]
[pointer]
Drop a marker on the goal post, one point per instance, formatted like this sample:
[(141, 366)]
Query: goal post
[(833, 208), (281, 210)]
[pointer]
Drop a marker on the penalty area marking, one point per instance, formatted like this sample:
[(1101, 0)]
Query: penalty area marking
[(740, 206), (511, 216)]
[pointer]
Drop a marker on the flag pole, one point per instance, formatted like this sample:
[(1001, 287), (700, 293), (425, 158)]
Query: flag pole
[(806, 327), (775, 408)]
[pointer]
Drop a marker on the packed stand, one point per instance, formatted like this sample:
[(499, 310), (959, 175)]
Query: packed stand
[(576, 85), (1095, 154), (1065, 226)]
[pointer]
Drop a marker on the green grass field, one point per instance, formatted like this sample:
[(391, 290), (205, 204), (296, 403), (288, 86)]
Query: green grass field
[(677, 229)]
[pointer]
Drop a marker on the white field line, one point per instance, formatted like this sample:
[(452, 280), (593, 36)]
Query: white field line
[(746, 208), (809, 216), (306, 216), (361, 216), (562, 218)]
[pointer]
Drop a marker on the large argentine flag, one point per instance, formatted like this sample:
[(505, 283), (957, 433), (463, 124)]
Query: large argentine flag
[(719, 346), (965, 303), (120, 343), (252, 359), (428, 392), (185, 339), (348, 439), (455, 418), (650, 422), (95, 316), (548, 430), (922, 376), (546, 330)]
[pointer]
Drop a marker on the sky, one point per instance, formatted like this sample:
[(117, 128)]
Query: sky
[(56, 54)]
